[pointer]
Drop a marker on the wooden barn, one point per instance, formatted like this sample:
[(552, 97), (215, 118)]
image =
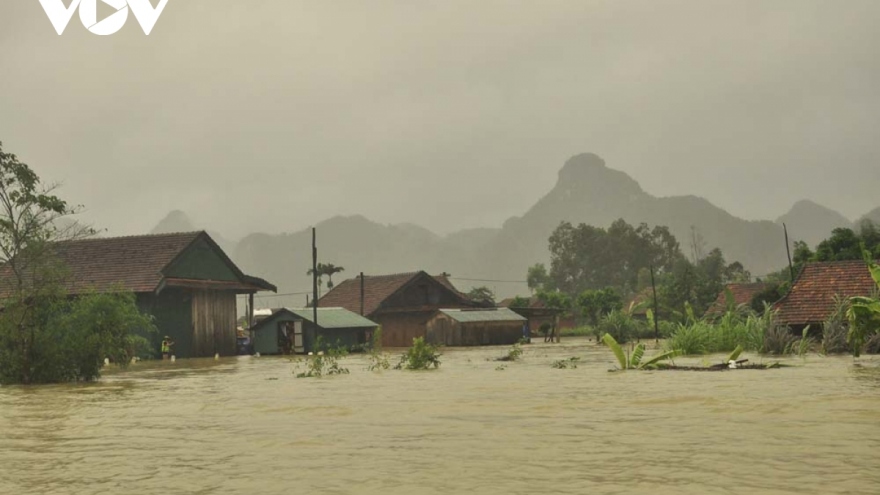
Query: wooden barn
[(811, 299), (402, 304), (472, 327), (184, 280), (293, 331)]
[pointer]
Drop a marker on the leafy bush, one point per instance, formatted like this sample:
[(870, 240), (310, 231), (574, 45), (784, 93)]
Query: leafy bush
[(421, 356), (72, 337), (378, 359), (513, 354), (835, 330), (778, 340), (620, 325), (324, 362)]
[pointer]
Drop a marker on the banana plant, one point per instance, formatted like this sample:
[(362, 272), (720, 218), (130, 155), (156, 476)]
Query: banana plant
[(634, 360), (864, 312)]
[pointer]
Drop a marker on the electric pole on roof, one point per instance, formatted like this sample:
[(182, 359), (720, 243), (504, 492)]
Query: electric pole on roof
[(788, 251)]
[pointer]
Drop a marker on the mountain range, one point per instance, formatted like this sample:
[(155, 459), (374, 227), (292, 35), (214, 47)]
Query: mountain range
[(587, 191)]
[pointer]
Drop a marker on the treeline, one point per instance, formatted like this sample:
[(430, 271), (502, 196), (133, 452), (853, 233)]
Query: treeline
[(594, 271)]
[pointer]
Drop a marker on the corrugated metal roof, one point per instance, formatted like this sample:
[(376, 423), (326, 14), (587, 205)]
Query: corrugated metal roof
[(334, 318), (482, 315)]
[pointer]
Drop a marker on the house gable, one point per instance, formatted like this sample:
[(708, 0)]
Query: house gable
[(421, 291), (202, 260)]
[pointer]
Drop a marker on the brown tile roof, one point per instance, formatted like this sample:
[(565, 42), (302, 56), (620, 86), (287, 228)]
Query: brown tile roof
[(811, 298), (743, 293), (132, 263), (377, 288)]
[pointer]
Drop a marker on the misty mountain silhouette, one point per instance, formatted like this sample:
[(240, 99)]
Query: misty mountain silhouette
[(812, 222), (587, 191)]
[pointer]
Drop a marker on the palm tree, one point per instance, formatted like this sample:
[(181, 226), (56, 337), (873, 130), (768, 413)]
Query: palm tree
[(320, 273), (330, 269)]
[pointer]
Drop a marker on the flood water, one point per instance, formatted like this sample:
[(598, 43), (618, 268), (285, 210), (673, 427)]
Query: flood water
[(246, 425)]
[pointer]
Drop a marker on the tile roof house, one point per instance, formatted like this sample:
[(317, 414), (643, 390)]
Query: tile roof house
[(742, 294), (184, 280), (810, 301), (401, 303)]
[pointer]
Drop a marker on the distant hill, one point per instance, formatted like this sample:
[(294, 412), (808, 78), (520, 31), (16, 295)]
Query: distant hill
[(587, 191), (873, 216), (811, 222), (178, 221)]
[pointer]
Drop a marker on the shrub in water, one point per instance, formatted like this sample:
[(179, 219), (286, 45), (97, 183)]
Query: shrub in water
[(421, 356)]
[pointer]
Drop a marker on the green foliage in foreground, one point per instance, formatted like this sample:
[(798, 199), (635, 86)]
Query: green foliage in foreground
[(69, 339), (324, 363), (421, 356), (378, 359), (635, 360), (864, 312)]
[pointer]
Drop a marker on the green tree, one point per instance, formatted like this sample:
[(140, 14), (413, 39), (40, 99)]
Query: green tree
[(520, 302), (587, 257), (39, 341), (537, 278), (482, 295), (594, 304)]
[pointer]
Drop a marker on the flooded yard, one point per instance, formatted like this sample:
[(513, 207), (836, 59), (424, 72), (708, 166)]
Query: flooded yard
[(246, 425)]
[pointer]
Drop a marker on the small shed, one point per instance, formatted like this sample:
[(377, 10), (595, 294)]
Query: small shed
[(471, 327), (279, 332), (292, 330)]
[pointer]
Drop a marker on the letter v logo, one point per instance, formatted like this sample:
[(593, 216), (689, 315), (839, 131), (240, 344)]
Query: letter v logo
[(146, 14), (58, 14)]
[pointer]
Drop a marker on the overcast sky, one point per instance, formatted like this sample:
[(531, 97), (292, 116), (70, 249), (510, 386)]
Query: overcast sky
[(272, 115)]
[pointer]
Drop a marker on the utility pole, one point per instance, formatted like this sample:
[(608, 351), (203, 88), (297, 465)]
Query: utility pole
[(788, 251), (362, 293), (314, 278), (656, 314)]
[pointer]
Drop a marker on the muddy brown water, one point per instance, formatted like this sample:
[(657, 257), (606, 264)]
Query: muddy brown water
[(246, 425)]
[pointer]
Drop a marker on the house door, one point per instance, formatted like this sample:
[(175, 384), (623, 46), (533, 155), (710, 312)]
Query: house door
[(298, 346)]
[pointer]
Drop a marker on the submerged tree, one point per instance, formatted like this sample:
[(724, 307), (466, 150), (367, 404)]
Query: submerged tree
[(35, 308)]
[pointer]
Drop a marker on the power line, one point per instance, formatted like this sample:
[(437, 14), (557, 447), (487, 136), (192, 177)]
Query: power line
[(489, 280)]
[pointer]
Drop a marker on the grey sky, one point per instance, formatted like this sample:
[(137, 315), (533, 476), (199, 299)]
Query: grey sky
[(272, 115)]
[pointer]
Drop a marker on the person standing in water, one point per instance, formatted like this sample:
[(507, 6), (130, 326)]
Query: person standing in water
[(167, 344)]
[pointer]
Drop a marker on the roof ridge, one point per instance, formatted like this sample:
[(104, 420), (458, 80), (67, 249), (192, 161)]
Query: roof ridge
[(135, 236)]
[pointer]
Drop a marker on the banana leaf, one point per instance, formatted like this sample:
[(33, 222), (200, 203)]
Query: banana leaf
[(616, 349), (636, 357), (659, 357), (735, 354)]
